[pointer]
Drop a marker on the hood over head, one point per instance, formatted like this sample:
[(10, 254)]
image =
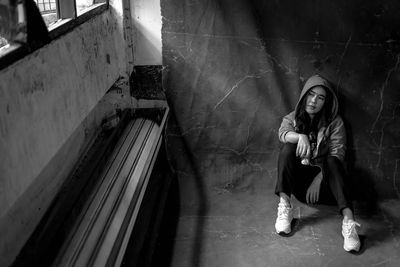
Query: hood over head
[(317, 80)]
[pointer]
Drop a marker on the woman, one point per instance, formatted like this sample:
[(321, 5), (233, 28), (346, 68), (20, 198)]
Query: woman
[(310, 164)]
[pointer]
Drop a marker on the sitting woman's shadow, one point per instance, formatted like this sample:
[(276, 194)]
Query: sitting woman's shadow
[(363, 194)]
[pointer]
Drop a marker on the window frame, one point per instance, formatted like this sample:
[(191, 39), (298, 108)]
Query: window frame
[(67, 22)]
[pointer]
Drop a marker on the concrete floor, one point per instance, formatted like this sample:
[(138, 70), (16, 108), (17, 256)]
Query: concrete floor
[(238, 230)]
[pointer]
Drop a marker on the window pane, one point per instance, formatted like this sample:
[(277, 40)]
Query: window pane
[(4, 23), (82, 5), (48, 9), (12, 24), (3, 42)]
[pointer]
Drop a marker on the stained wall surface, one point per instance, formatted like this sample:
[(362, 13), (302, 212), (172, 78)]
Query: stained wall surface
[(51, 105), (233, 69)]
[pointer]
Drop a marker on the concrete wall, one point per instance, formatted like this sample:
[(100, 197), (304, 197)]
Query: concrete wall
[(233, 69), (147, 22), (51, 106)]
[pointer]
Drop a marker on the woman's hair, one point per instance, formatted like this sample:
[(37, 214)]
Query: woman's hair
[(321, 119)]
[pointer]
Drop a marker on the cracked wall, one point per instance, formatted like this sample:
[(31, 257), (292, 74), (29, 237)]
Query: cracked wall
[(234, 69)]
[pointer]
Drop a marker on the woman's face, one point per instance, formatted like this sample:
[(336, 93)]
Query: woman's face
[(315, 100)]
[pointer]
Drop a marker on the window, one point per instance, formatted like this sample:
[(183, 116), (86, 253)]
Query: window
[(3, 42), (84, 5), (12, 23), (59, 16), (4, 25), (48, 9), (51, 14)]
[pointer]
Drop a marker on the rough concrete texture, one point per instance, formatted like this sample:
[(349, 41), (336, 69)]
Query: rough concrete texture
[(238, 230), (232, 224), (46, 100), (232, 70), (47, 94)]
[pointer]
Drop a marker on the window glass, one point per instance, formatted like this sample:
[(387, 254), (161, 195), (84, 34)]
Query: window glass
[(3, 42), (83, 5), (4, 22), (12, 23), (58, 15), (48, 9)]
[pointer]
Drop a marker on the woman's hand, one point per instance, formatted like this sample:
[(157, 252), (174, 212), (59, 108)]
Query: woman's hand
[(312, 195), (303, 149)]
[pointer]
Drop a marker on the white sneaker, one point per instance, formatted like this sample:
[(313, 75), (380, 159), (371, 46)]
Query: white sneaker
[(349, 232), (284, 218)]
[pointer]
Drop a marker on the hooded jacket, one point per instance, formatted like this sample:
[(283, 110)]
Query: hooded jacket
[(331, 139)]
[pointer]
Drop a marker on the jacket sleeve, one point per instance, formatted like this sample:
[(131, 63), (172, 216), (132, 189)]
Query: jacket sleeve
[(287, 125), (337, 139)]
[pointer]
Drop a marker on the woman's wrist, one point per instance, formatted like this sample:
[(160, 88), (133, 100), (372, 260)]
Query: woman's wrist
[(292, 137), (318, 178), (302, 135)]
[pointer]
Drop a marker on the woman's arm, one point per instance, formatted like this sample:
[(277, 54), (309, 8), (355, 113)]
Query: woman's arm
[(303, 148), (287, 134), (292, 137), (287, 125)]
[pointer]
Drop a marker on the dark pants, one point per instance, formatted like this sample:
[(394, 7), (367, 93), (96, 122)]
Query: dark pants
[(295, 178)]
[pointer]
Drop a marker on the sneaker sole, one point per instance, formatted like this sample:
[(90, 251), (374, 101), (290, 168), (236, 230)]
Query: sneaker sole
[(289, 228), (356, 249), (283, 232)]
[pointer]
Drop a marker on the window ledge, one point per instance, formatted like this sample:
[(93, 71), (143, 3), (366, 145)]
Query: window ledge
[(65, 25), (90, 8), (57, 24), (9, 48), (12, 53)]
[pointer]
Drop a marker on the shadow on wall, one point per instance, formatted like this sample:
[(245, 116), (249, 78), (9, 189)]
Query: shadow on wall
[(179, 153), (229, 88), (360, 54), (362, 179)]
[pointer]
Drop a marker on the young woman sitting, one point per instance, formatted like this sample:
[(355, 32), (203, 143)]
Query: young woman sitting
[(310, 164)]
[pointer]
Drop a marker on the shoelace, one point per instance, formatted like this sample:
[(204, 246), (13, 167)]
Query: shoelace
[(349, 227), (283, 213)]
